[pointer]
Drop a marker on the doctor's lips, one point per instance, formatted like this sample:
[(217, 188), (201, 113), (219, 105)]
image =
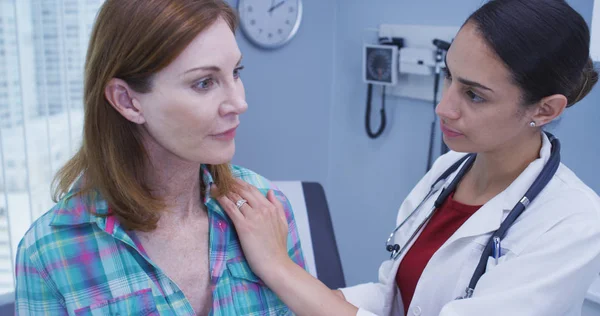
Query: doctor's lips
[(449, 132), (227, 135)]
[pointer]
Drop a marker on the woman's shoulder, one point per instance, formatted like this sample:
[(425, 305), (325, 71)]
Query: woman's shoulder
[(263, 185), (56, 228), (39, 230), (567, 186), (566, 200), (252, 177)]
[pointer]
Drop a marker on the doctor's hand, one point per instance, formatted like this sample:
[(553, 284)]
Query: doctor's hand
[(262, 229), (261, 226)]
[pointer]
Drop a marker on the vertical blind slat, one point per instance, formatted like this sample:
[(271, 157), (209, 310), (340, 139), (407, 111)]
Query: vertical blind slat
[(65, 75)]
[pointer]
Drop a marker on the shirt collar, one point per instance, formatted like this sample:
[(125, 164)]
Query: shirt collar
[(211, 204), (76, 208), (208, 181), (517, 188)]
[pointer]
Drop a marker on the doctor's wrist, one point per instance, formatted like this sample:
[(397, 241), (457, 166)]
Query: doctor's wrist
[(340, 294), (277, 272)]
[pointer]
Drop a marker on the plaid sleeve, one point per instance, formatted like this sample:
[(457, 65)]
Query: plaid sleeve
[(35, 294), (293, 240)]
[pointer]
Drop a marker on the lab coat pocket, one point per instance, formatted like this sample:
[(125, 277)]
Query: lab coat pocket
[(137, 303), (465, 267), (493, 263)]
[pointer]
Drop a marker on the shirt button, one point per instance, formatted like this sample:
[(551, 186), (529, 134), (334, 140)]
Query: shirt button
[(417, 311)]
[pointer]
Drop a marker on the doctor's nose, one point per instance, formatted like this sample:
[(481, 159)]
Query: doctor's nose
[(447, 108)]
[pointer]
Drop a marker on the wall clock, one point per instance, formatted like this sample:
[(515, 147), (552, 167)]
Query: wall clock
[(270, 24)]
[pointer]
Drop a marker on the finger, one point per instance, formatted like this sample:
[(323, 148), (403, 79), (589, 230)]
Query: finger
[(278, 206), (214, 191), (258, 195), (244, 189), (273, 199), (231, 209), (234, 197)]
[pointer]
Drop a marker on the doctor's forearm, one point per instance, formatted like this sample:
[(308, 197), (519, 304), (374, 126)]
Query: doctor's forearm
[(304, 294)]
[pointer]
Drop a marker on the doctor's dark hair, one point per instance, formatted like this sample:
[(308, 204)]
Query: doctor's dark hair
[(544, 43)]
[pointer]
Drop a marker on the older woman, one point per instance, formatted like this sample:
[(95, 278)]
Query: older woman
[(137, 230)]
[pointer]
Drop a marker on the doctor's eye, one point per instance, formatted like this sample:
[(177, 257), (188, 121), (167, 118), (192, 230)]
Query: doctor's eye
[(447, 74), (474, 97)]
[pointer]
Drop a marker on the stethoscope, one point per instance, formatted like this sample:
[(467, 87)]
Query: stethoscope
[(538, 185)]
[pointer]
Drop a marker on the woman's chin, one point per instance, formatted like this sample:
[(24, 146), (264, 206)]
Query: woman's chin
[(220, 156)]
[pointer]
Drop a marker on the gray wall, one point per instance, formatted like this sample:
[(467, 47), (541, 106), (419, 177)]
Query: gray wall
[(285, 132), (306, 120)]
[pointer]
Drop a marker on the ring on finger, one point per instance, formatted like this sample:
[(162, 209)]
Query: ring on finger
[(240, 203)]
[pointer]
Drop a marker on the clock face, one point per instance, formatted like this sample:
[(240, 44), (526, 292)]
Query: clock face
[(270, 23)]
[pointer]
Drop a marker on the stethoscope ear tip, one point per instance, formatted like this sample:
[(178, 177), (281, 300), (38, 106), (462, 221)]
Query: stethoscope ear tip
[(392, 248)]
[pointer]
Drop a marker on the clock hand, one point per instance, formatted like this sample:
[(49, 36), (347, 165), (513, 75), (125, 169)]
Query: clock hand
[(276, 6)]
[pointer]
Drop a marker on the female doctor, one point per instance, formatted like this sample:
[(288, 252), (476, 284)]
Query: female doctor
[(514, 67)]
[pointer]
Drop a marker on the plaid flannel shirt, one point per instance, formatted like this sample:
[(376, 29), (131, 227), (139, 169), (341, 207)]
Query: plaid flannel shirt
[(72, 262)]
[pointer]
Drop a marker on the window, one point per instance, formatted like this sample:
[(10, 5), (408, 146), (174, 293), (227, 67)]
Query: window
[(40, 96)]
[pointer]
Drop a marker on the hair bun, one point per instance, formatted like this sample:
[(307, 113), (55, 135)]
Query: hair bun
[(589, 77)]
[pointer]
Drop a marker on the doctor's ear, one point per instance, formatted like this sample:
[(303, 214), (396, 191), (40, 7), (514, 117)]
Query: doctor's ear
[(121, 97), (549, 108)]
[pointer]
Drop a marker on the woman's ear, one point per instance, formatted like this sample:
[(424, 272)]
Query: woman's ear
[(549, 109), (121, 97)]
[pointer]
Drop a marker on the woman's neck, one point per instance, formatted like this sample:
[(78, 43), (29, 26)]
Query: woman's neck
[(493, 172), (174, 180)]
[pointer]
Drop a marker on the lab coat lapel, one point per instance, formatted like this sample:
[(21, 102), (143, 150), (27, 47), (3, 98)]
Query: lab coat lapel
[(403, 235)]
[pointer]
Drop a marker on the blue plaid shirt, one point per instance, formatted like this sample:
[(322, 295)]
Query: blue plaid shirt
[(71, 262)]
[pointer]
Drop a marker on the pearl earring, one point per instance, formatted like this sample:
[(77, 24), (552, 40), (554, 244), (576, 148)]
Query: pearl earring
[(532, 124)]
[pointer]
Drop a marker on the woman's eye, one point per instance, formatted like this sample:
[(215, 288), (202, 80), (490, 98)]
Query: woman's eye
[(205, 84), (236, 72)]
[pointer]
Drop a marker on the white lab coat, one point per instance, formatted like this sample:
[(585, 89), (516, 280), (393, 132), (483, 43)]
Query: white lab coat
[(550, 256)]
